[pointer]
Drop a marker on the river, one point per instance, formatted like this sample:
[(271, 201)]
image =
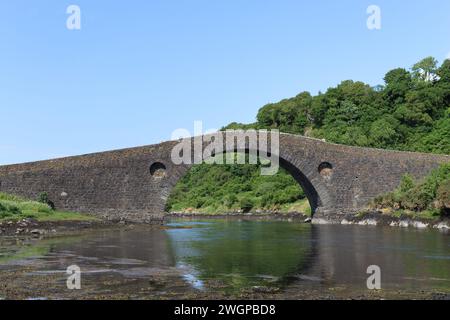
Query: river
[(229, 258)]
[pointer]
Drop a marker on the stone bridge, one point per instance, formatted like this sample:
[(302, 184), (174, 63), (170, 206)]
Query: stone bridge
[(133, 184)]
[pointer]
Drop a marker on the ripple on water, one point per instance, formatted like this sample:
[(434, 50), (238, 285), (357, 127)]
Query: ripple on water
[(438, 257)]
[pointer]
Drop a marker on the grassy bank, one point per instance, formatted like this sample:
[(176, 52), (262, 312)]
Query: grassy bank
[(13, 208), (299, 206), (426, 199)]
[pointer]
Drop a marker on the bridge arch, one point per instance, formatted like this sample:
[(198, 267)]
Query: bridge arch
[(304, 170)]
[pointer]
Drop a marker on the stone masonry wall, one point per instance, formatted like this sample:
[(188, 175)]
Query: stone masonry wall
[(121, 185)]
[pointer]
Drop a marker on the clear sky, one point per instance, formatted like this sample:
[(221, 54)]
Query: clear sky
[(138, 70)]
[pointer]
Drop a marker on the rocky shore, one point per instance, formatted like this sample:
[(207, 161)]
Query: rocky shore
[(32, 227), (293, 216), (378, 218), (369, 218)]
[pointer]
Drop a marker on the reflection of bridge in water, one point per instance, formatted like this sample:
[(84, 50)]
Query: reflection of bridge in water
[(310, 255), (408, 258), (234, 255)]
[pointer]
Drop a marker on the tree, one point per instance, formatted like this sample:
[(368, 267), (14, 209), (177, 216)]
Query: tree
[(398, 84), (444, 72), (444, 81), (383, 133), (268, 116), (425, 69)]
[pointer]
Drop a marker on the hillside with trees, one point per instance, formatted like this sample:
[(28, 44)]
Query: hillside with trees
[(409, 112)]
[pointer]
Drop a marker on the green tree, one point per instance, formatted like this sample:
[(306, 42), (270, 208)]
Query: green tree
[(425, 69), (398, 84), (383, 132)]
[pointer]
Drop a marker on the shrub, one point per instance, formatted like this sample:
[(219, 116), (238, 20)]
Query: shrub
[(230, 200), (431, 194), (407, 183), (8, 210), (246, 204), (267, 200), (3, 211), (443, 198), (44, 198)]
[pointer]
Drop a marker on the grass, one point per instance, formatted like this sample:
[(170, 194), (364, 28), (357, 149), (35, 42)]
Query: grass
[(431, 215), (426, 214), (13, 208), (301, 206)]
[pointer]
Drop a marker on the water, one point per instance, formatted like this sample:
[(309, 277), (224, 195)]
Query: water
[(230, 258)]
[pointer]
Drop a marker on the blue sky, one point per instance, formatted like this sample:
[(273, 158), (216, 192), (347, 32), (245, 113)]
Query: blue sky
[(138, 70)]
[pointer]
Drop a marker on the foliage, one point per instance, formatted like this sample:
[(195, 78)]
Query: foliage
[(233, 187), (44, 198), (246, 204), (410, 112), (431, 194), (16, 208)]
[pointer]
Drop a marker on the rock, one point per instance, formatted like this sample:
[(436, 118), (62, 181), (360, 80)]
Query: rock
[(346, 222), (394, 224), (441, 296), (262, 289), (368, 222), (320, 221), (419, 224), (19, 230), (307, 220), (404, 224), (30, 221), (37, 231), (442, 225)]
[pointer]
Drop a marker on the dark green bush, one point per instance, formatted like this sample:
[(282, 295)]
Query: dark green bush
[(44, 198), (7, 210), (246, 204)]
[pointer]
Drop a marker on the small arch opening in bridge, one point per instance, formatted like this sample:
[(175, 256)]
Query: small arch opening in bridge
[(240, 188), (158, 170), (325, 169)]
